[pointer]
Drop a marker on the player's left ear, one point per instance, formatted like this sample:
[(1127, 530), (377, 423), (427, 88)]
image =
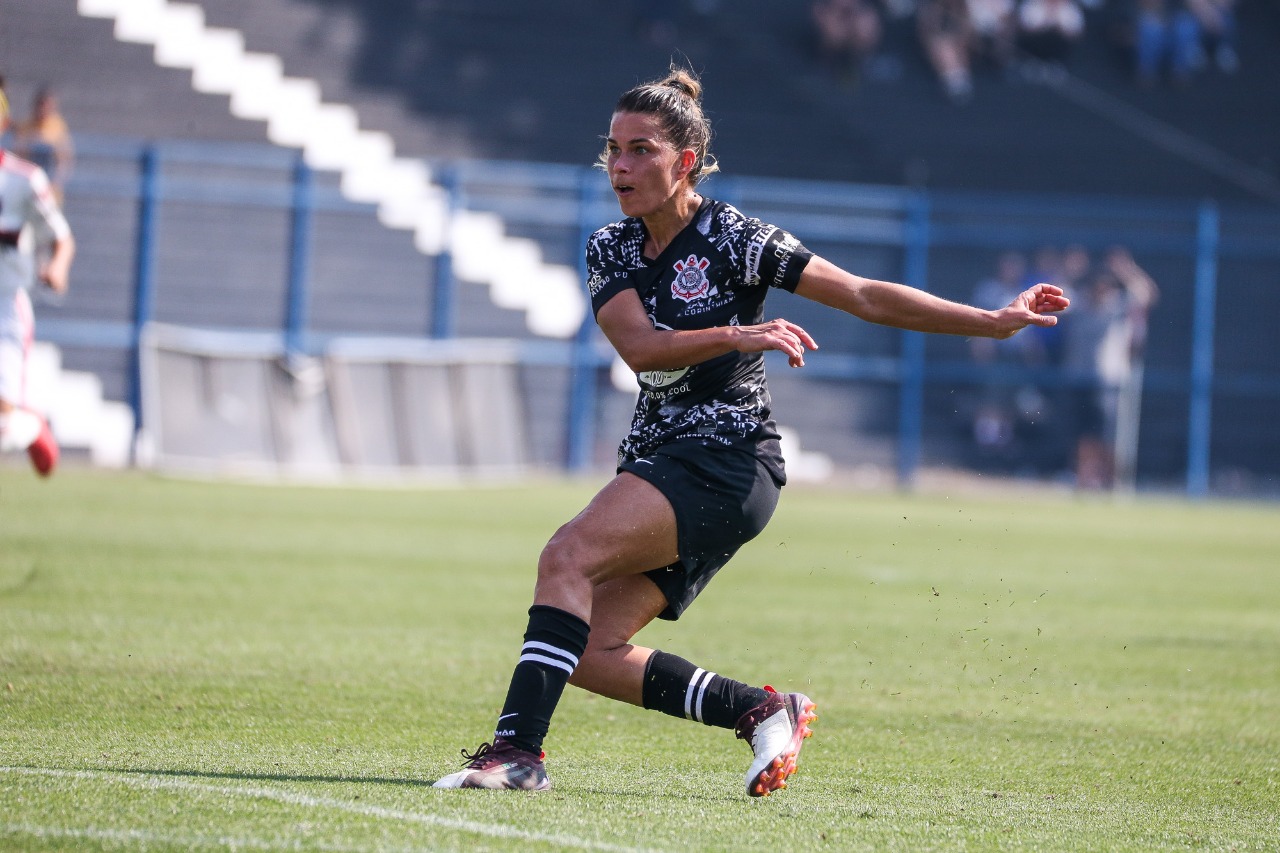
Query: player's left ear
[(687, 159)]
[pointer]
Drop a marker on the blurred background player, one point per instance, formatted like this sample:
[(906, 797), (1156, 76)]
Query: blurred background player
[(35, 243)]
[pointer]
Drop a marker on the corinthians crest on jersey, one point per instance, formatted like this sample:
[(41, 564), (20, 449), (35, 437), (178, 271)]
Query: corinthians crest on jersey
[(715, 272), (691, 280)]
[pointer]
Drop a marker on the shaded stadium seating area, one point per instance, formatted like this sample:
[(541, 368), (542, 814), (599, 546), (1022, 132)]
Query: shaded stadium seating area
[(507, 80), (454, 80), (512, 80)]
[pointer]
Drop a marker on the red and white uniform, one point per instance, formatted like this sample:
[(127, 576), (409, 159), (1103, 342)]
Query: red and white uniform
[(30, 221)]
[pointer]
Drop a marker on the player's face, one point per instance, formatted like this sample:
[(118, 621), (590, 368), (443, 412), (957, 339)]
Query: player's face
[(647, 171)]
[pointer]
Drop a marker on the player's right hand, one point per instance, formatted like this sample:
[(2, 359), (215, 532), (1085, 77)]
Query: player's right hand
[(781, 335)]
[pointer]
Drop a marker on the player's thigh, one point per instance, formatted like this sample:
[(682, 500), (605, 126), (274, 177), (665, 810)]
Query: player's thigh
[(628, 528)]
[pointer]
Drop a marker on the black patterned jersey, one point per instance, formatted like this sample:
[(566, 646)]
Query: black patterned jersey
[(716, 272)]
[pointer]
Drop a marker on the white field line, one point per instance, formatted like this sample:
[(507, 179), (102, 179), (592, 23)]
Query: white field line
[(155, 782), (187, 842)]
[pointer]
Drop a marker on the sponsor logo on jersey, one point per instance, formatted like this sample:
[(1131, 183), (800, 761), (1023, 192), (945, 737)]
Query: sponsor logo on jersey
[(661, 378), (783, 251), (691, 280), (755, 251)]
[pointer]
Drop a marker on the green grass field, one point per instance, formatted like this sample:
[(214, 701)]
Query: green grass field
[(190, 665)]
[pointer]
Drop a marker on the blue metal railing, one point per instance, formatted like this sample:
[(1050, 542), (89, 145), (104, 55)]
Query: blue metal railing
[(576, 200), (144, 267), (297, 289), (1198, 429)]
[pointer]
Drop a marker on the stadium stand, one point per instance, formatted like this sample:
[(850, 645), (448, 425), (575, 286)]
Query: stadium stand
[(455, 80), (494, 81)]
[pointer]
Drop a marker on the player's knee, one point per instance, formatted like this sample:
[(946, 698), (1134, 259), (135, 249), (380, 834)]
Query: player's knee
[(603, 643), (564, 557), (598, 660)]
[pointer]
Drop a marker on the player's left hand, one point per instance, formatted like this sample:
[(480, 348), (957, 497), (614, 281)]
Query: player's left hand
[(54, 276)]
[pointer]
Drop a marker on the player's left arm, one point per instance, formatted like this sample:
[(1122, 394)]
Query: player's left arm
[(643, 347), (51, 229), (56, 272), (903, 307)]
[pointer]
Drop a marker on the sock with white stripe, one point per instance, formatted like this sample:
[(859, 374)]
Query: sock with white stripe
[(553, 642), (674, 686)]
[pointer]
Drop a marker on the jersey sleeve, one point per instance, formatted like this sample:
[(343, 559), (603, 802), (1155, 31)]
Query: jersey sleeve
[(607, 274), (773, 256), (43, 213)]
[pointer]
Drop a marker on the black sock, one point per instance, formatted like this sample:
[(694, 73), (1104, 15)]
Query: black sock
[(553, 643), (674, 686)]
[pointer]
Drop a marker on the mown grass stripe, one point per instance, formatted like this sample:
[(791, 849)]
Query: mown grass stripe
[(148, 781)]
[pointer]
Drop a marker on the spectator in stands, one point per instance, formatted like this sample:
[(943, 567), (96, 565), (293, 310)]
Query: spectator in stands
[(998, 423), (848, 33), (678, 287), (945, 35), (1049, 29), (1047, 265), (35, 244), (657, 21), (1105, 335), (1217, 23), (44, 139), (1074, 266), (994, 25), (1046, 261), (1039, 402), (993, 291), (1166, 40)]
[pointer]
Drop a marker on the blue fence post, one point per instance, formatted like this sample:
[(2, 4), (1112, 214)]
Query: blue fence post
[(912, 361), (580, 435), (143, 268), (298, 286), (443, 291), (1200, 425)]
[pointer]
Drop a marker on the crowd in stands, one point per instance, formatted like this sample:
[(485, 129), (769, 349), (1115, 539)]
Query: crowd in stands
[(848, 33), (43, 138), (1022, 421), (1163, 40), (1177, 38)]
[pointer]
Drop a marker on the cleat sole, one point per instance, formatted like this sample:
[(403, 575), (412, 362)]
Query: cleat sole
[(774, 777)]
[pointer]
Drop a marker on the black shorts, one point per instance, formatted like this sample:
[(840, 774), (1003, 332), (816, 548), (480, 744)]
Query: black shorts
[(722, 499)]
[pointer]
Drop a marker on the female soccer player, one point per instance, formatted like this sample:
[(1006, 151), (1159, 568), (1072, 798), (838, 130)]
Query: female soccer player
[(35, 244), (678, 287)]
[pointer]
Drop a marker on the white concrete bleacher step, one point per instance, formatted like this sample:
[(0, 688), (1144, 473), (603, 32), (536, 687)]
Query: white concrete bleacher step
[(82, 420), (332, 139), (809, 466)]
